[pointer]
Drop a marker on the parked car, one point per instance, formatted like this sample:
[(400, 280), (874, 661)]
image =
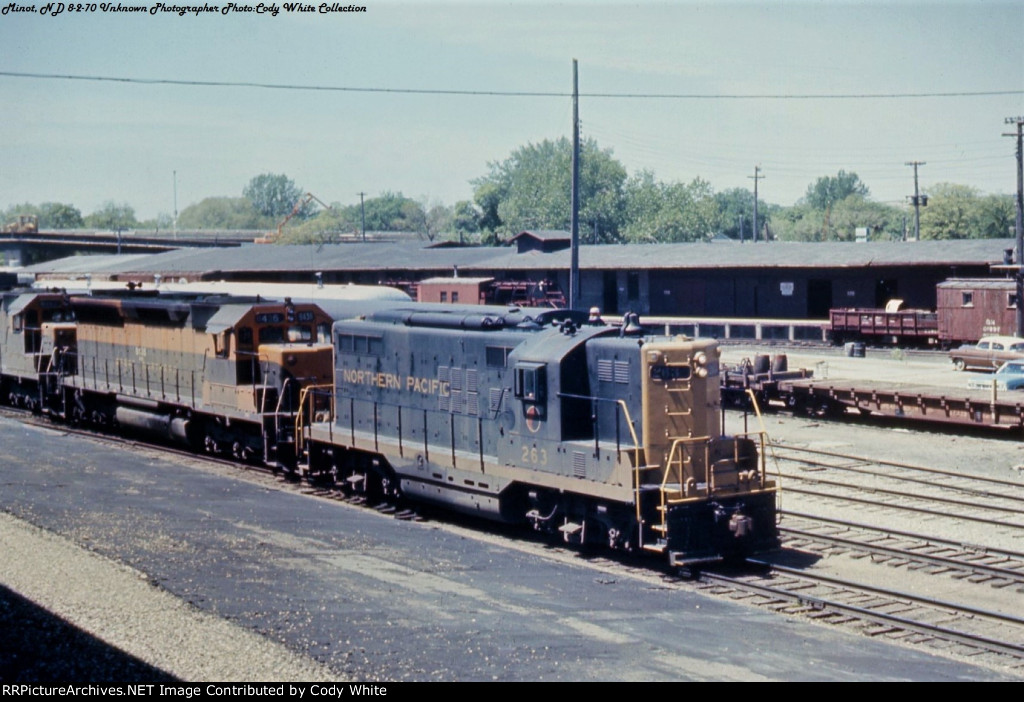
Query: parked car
[(989, 353), (1010, 376)]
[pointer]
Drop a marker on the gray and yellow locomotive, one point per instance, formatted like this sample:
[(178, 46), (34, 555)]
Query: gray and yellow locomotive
[(595, 432)]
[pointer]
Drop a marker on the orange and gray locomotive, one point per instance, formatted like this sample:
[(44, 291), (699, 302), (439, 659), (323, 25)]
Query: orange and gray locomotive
[(218, 373)]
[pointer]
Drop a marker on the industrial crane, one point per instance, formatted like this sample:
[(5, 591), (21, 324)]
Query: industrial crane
[(305, 200)]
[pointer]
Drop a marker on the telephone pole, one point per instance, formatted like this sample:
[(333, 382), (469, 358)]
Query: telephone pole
[(917, 200), (1019, 223), (362, 211), (574, 221), (756, 177)]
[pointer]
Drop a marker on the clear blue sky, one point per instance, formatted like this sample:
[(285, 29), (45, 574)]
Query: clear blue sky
[(752, 64)]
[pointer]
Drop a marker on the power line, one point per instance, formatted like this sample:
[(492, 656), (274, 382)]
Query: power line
[(507, 93)]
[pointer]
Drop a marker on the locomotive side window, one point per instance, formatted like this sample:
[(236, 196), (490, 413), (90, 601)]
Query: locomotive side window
[(497, 356), (359, 343), (529, 382)]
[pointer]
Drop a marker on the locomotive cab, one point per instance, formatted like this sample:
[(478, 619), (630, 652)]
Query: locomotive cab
[(37, 349)]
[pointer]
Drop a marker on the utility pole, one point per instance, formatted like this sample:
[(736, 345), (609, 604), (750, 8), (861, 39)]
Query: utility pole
[(362, 210), (756, 177), (574, 222), (175, 204), (917, 200), (1019, 223)]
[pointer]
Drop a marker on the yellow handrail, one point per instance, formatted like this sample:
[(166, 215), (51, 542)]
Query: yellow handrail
[(300, 416)]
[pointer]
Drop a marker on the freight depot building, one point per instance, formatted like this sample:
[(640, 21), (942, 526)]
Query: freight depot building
[(721, 279)]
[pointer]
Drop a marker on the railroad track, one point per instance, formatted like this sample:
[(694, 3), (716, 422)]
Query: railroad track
[(994, 567), (948, 628), (960, 507), (964, 628)]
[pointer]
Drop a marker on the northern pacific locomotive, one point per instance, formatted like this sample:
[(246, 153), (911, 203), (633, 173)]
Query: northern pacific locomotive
[(595, 433)]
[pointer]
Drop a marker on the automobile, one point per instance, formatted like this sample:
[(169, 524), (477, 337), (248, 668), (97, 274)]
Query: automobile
[(1010, 376), (989, 353)]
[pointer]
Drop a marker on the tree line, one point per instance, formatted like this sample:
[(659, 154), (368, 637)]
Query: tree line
[(530, 189)]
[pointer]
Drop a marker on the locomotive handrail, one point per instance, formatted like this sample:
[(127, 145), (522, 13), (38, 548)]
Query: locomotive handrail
[(637, 447), (764, 434), (300, 421)]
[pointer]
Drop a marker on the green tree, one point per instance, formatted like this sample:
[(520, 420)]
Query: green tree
[(57, 215), (953, 212), (996, 217), (857, 212), (533, 189), (114, 216), (391, 212), (669, 212), (275, 196), (828, 190), (438, 219), (801, 222), (328, 225), (487, 197), (223, 213), (736, 204), (465, 219)]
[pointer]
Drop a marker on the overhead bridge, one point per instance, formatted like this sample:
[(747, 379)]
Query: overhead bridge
[(24, 247)]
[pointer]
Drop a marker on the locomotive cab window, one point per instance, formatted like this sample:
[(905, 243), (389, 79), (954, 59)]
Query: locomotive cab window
[(530, 381), (222, 344), (299, 334)]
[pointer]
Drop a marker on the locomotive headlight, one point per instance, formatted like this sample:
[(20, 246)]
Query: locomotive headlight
[(700, 359), (701, 372)]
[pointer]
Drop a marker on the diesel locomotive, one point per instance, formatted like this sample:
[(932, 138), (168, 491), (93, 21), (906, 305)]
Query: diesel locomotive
[(596, 433), (219, 373), (593, 433)]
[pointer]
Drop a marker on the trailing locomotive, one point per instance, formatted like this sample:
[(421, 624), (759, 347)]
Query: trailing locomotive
[(594, 432), (221, 374)]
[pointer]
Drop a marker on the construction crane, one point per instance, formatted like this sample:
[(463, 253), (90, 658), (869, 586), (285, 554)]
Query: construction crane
[(305, 200)]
